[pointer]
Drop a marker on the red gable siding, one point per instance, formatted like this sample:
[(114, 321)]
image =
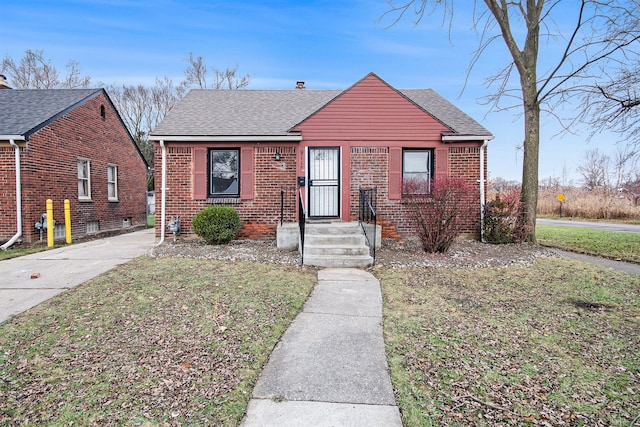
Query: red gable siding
[(371, 110)]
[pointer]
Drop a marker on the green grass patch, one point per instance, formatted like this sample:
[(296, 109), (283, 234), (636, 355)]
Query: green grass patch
[(167, 341), (608, 244), (17, 252), (555, 343)]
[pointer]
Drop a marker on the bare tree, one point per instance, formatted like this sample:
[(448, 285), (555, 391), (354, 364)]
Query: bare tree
[(594, 169), (610, 177), (613, 103), (598, 33), (33, 71), (142, 108), (196, 75)]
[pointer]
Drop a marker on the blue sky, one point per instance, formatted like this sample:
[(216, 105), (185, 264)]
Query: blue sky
[(328, 44)]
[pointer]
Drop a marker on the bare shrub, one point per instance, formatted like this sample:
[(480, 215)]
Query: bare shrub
[(439, 209), (502, 220)]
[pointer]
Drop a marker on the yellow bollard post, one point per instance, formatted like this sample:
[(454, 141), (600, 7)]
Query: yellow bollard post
[(49, 222), (67, 219)]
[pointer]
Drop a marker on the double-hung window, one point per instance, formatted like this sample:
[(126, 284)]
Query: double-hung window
[(224, 172), (112, 183), (417, 171), (84, 179)]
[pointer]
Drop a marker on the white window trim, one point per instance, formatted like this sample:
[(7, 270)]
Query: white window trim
[(88, 179), (115, 182), (429, 167)]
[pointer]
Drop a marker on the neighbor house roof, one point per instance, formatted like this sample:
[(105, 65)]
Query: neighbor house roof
[(216, 113), (24, 111)]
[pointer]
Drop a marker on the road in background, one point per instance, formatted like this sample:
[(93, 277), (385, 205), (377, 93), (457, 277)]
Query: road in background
[(604, 226)]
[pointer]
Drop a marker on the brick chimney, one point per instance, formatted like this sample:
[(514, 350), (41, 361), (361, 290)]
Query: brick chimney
[(300, 85), (3, 82)]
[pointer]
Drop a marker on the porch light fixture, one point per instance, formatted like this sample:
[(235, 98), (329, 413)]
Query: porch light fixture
[(277, 156)]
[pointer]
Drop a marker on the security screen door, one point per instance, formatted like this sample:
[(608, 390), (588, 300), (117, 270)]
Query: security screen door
[(324, 182)]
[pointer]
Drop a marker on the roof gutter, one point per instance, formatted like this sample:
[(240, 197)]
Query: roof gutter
[(163, 192), (461, 138), (482, 189), (18, 195), (227, 138)]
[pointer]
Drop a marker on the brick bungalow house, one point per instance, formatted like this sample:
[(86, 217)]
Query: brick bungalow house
[(67, 144), (241, 148)]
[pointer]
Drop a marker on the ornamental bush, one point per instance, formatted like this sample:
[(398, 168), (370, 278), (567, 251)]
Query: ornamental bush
[(439, 209), (217, 224), (503, 222)]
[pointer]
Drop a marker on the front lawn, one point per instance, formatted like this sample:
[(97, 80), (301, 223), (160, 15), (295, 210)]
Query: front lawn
[(168, 341), (180, 341), (556, 343)]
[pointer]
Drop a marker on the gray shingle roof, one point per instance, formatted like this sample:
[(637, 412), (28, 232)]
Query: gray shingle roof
[(242, 112), (23, 111), (443, 110), (205, 112)]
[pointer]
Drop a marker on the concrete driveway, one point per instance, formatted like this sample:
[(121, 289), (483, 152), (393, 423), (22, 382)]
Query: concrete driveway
[(63, 268)]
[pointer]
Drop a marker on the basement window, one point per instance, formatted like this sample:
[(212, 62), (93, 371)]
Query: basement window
[(93, 227)]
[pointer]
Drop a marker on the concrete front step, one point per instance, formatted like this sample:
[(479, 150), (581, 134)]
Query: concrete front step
[(336, 239), (339, 250), (351, 261), (336, 245), (332, 228)]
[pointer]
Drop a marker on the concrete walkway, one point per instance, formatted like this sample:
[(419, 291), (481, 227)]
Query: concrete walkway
[(63, 268), (330, 367), (628, 267)]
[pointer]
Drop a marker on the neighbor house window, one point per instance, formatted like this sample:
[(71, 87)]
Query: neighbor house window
[(84, 179), (112, 183), (224, 172), (417, 171)]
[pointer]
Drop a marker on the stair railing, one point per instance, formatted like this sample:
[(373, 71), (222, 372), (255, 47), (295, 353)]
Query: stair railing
[(302, 218), (287, 204), (367, 214)]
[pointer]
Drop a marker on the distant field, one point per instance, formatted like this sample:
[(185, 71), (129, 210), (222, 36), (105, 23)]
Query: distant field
[(592, 205)]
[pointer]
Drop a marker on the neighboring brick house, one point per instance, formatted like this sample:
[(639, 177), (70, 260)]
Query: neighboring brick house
[(67, 144), (240, 148)]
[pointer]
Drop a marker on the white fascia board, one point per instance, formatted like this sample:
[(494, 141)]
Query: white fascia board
[(458, 138), (232, 138), (10, 137)]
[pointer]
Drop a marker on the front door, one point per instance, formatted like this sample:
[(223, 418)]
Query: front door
[(324, 182)]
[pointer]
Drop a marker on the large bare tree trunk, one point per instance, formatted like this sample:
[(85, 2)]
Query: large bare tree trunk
[(529, 195)]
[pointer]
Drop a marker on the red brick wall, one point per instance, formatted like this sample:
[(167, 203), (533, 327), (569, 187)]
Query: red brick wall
[(370, 168), (259, 215), (7, 192), (49, 170)]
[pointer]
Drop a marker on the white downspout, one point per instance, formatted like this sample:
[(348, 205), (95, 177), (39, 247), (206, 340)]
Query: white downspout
[(482, 184), (163, 192), (18, 198)]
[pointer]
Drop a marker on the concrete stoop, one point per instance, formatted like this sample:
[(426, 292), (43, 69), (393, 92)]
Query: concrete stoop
[(337, 245)]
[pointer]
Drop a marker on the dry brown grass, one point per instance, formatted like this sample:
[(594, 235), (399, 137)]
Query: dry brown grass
[(594, 204)]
